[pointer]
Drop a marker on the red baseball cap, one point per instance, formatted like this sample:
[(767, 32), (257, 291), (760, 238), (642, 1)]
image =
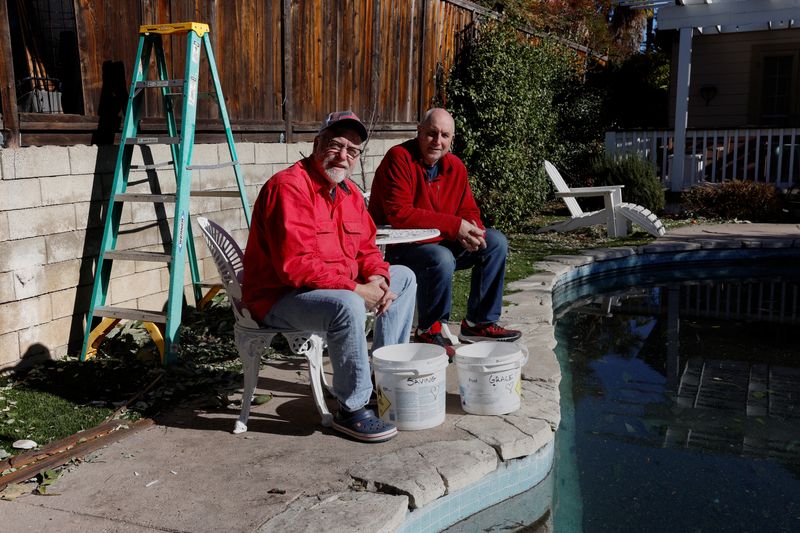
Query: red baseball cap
[(345, 119)]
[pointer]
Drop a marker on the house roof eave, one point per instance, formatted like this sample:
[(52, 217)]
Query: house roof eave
[(731, 16)]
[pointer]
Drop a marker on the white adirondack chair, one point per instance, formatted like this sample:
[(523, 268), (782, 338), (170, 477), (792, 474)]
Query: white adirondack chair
[(252, 339), (616, 214)]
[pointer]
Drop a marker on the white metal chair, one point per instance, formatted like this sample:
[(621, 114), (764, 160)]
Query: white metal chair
[(616, 214), (252, 339)]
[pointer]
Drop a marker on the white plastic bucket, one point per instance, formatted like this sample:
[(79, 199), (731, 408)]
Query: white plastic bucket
[(490, 376), (410, 380)]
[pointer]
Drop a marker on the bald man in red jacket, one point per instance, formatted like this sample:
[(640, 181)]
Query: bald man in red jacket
[(420, 184)]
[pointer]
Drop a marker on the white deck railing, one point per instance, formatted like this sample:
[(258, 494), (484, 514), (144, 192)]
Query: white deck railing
[(757, 154)]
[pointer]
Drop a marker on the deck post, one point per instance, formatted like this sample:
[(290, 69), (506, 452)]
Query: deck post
[(681, 108), (9, 122)]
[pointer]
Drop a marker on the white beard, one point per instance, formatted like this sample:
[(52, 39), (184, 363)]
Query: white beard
[(336, 175)]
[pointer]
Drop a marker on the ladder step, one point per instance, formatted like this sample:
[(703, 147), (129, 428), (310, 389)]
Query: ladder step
[(170, 198), (178, 27), (144, 197), (124, 313), (159, 139), (138, 255), (216, 165), (151, 167), (216, 194), (147, 84)]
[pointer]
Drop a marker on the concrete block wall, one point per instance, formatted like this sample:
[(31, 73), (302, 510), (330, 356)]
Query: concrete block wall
[(52, 207)]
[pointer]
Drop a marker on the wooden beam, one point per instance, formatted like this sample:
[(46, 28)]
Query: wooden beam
[(471, 6), (63, 455), (421, 104), (308, 127), (86, 34), (375, 72), (8, 89), (288, 63), (77, 123)]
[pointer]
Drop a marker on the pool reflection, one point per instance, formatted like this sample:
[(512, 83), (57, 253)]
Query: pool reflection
[(686, 392)]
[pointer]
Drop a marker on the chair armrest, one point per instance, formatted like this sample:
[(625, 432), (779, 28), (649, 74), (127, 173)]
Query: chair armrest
[(585, 192)]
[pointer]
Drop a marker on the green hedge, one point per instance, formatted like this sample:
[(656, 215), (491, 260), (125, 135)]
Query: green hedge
[(516, 103), (642, 186)]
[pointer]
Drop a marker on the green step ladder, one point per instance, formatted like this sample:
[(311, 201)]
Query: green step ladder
[(163, 326)]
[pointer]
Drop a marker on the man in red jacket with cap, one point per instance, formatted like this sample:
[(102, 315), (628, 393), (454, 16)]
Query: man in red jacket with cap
[(311, 263), (420, 184)]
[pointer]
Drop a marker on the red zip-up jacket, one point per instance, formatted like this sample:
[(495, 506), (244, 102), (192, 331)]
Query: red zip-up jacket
[(402, 196), (300, 237)]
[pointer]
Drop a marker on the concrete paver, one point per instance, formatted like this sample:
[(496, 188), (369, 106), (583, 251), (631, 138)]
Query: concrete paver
[(460, 462), (287, 473), (404, 471), (344, 512)]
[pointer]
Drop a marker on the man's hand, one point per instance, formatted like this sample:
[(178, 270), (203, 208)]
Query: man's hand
[(376, 294), (471, 236)]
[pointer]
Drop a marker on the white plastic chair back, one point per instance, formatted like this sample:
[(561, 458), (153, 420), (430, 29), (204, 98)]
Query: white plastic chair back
[(230, 263)]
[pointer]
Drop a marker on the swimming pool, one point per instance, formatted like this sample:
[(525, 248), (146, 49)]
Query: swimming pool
[(680, 398)]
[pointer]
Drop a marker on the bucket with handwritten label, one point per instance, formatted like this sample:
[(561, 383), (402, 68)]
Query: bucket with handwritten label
[(410, 382), (490, 376)]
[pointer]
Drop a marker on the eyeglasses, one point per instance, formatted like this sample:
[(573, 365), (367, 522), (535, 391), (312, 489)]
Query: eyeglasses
[(337, 147)]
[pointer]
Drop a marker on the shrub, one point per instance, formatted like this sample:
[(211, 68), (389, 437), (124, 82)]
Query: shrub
[(642, 186), (510, 100), (744, 200)]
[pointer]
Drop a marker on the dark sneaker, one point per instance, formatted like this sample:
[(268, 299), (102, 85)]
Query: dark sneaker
[(434, 336), (363, 425), (486, 332)]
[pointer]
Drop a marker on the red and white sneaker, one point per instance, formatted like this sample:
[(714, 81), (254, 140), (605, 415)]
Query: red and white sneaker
[(487, 332), (434, 336)]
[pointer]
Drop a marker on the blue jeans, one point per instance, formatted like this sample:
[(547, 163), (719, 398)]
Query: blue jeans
[(434, 265), (341, 315)]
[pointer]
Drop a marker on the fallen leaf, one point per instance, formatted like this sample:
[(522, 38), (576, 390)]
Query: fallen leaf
[(48, 476), (13, 491), (261, 399)]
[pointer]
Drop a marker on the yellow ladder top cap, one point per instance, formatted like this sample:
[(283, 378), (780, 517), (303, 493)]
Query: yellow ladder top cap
[(179, 27)]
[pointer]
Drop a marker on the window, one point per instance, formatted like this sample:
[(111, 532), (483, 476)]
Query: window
[(45, 51), (773, 99), (777, 76)]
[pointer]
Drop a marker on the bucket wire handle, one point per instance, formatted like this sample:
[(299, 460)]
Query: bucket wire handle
[(405, 372), (524, 348)]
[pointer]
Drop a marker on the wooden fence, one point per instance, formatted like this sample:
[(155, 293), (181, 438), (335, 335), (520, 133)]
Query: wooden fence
[(283, 64)]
